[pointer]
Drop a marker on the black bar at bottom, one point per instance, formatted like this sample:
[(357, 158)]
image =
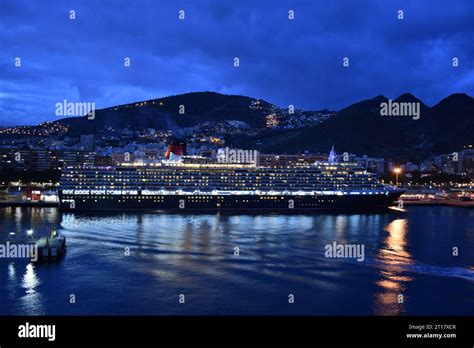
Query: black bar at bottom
[(135, 331)]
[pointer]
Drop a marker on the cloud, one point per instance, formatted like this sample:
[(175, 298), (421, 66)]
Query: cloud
[(286, 62)]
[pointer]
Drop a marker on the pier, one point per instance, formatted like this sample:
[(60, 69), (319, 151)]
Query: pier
[(39, 204), (51, 248), (446, 202), (45, 249)]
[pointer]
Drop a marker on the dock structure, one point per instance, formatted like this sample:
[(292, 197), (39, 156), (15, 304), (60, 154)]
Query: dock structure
[(51, 248), (444, 202), (14, 204)]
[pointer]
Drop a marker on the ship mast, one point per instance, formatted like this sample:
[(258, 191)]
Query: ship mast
[(332, 156)]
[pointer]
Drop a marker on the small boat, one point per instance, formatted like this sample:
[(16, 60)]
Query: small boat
[(51, 248)]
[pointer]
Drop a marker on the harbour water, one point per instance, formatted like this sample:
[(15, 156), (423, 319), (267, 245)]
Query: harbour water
[(142, 264)]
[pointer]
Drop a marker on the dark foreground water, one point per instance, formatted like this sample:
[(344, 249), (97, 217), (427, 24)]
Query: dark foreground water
[(408, 254)]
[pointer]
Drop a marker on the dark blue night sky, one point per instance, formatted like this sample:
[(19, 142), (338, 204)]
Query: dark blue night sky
[(283, 61)]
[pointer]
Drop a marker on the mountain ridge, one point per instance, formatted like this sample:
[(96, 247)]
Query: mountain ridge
[(358, 128)]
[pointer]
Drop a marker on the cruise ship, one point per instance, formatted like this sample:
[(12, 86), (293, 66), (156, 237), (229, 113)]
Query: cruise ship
[(176, 185)]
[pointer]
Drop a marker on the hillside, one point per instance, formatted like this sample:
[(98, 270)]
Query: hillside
[(358, 128), (163, 113)]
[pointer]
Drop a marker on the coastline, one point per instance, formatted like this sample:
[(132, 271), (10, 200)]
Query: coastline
[(39, 204), (448, 202)]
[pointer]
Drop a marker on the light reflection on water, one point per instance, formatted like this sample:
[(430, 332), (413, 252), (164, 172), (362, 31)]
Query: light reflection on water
[(279, 254), (32, 299), (393, 281)]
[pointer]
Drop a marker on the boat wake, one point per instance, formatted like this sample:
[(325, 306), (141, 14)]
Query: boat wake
[(401, 265)]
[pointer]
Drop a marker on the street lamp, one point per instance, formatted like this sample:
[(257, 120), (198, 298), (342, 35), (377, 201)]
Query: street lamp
[(397, 171)]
